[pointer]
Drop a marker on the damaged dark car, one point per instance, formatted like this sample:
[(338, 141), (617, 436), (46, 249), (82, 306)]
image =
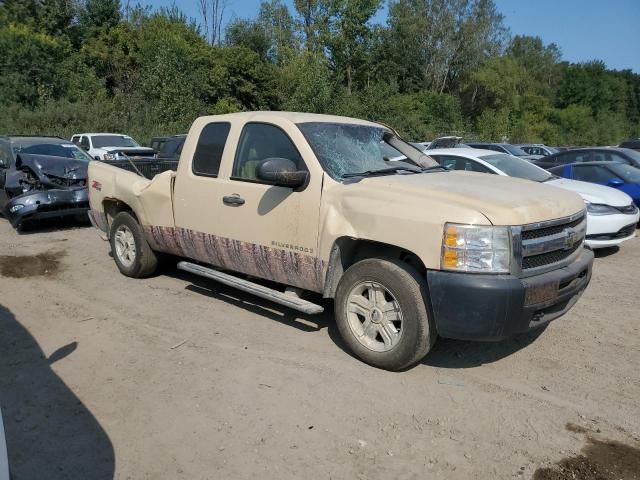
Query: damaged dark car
[(42, 177)]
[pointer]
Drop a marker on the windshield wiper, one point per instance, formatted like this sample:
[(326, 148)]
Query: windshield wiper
[(382, 171)]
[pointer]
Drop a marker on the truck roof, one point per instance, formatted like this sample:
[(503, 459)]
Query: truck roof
[(295, 117), (101, 134)]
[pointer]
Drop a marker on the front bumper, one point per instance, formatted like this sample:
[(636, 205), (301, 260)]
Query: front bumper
[(610, 230), (494, 307), (43, 204)]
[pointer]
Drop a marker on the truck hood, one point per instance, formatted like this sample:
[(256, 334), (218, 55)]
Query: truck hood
[(131, 151), (593, 193), (502, 200)]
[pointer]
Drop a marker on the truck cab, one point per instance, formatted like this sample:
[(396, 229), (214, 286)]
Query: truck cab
[(408, 250)]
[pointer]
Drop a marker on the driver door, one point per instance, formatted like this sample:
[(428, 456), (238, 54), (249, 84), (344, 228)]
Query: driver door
[(275, 228), (231, 219)]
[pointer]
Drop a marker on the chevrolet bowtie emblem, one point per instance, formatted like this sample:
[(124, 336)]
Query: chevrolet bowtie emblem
[(570, 239)]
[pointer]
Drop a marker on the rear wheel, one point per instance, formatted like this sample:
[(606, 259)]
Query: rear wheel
[(382, 315), (130, 249)]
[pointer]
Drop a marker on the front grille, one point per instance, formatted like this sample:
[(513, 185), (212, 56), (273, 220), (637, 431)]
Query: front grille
[(67, 182), (622, 233), (629, 209), (544, 259), (550, 243), (548, 231), (62, 207)]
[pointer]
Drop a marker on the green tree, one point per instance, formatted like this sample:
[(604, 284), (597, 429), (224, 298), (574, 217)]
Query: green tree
[(348, 36)]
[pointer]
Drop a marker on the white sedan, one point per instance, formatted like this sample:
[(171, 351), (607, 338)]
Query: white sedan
[(611, 214)]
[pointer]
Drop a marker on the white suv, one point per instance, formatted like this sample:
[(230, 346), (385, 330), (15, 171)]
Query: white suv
[(111, 146)]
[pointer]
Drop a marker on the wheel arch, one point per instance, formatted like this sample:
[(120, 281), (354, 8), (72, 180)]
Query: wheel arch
[(112, 207), (346, 251)]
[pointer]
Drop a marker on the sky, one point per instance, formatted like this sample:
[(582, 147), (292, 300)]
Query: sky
[(607, 30)]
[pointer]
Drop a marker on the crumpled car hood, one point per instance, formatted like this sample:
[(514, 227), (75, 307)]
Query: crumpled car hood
[(56, 166)]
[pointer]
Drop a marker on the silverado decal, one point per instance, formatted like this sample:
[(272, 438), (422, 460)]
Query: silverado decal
[(282, 266)]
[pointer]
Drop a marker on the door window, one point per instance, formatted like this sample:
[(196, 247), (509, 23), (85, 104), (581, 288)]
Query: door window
[(592, 173), (258, 142), (459, 163), (609, 157), (84, 143), (206, 160)]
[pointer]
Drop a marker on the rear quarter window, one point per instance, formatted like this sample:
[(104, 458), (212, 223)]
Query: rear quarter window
[(208, 155)]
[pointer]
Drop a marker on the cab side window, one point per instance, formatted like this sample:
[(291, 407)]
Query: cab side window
[(206, 160), (84, 143), (258, 142)]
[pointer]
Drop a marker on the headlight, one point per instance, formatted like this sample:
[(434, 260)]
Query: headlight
[(599, 209), (481, 249), (15, 208), (109, 156)]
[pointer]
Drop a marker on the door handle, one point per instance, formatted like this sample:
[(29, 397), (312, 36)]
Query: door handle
[(234, 199)]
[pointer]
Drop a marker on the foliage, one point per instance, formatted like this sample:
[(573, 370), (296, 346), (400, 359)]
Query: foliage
[(436, 67)]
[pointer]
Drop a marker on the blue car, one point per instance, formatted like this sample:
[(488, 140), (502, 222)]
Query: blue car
[(613, 174)]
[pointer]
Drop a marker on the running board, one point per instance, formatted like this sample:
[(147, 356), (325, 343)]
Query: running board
[(261, 291)]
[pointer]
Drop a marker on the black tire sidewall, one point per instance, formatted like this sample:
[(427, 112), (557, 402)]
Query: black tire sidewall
[(410, 290), (138, 268)]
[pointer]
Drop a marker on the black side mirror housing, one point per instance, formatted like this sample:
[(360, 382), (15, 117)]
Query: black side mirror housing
[(281, 172)]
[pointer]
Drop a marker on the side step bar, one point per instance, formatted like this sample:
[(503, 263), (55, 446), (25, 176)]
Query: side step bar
[(261, 291)]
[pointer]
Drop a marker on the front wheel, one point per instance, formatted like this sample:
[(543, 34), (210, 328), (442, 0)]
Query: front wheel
[(130, 249), (382, 314)]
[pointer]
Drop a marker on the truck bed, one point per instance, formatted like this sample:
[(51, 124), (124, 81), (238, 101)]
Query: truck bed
[(149, 167)]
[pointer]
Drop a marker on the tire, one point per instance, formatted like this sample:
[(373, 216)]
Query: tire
[(139, 261), (390, 326)]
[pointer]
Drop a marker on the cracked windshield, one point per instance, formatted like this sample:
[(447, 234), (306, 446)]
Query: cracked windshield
[(346, 149)]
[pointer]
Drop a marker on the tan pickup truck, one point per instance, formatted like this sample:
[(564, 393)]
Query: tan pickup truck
[(407, 250)]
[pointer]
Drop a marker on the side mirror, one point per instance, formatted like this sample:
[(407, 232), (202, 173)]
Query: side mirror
[(281, 172), (615, 183)]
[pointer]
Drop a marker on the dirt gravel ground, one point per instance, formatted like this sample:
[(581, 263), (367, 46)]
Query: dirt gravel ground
[(172, 377)]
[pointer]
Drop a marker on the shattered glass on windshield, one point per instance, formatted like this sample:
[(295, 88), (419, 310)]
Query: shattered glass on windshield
[(347, 148)]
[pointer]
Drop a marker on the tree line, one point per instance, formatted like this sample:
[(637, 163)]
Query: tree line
[(435, 67)]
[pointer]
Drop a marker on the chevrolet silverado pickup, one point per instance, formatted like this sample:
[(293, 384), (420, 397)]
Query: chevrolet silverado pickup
[(407, 250)]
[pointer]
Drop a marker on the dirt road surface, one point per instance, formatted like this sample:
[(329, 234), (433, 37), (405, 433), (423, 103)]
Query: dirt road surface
[(172, 377)]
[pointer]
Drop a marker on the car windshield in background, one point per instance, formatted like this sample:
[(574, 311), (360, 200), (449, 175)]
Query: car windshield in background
[(100, 141), (516, 167), (633, 154), (66, 150), (345, 149), (517, 151), (626, 172), (552, 150)]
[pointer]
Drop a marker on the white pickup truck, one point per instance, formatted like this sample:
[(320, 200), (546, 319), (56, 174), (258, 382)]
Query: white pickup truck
[(407, 250)]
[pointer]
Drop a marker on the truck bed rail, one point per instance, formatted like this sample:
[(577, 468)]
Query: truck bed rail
[(149, 167)]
